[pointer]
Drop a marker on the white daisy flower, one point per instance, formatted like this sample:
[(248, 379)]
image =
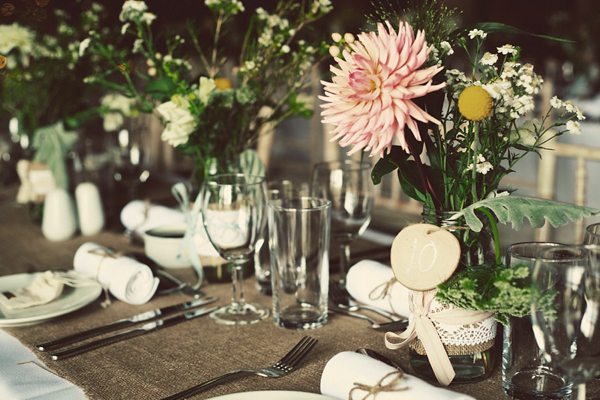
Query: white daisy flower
[(574, 127), (507, 49)]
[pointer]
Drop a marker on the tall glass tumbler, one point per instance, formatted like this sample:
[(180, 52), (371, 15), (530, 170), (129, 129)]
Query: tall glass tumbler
[(262, 264), (525, 373), (299, 247)]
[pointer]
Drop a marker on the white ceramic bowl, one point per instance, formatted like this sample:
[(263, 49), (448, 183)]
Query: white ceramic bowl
[(162, 246)]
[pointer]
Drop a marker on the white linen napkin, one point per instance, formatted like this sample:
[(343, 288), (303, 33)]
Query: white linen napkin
[(126, 278), (346, 369), (139, 216), (365, 282), (43, 289)]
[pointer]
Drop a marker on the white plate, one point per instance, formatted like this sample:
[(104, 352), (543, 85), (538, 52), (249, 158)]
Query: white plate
[(71, 299), (273, 395)]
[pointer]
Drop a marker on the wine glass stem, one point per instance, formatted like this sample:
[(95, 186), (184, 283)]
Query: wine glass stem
[(344, 261), (578, 391), (237, 276)]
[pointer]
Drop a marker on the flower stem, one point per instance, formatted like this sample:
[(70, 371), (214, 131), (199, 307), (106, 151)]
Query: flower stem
[(494, 233)]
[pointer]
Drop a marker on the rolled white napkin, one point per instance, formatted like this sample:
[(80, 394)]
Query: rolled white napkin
[(346, 369), (127, 279), (365, 281), (138, 216)]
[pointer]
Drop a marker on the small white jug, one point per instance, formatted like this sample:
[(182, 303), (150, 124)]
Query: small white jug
[(89, 208), (59, 221)]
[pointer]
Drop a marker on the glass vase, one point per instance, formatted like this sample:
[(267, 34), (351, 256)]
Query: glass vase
[(472, 362)]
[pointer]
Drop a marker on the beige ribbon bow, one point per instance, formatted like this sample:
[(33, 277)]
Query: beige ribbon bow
[(421, 326)]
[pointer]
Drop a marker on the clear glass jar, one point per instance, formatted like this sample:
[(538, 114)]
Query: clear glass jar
[(477, 249)]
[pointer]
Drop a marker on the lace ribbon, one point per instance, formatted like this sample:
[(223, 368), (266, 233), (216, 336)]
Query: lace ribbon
[(421, 326), (379, 386), (191, 218)]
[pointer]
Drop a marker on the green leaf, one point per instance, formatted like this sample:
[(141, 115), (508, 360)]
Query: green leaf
[(161, 86), (410, 182), (514, 208), (388, 164)]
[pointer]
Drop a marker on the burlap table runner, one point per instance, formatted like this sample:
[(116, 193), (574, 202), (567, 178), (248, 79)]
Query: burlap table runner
[(166, 361)]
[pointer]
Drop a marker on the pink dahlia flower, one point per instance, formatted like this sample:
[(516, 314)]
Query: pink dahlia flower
[(369, 100)]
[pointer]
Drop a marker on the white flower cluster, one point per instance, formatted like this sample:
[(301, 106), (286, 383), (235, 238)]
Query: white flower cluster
[(483, 166), (180, 122), (513, 89), (16, 37), (231, 6), (323, 6), (135, 10), (269, 34), (117, 107)]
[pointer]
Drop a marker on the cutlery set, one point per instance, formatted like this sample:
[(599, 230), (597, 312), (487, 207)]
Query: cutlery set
[(153, 323), (165, 317)]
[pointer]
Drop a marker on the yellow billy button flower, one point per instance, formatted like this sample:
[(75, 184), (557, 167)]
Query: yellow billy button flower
[(475, 103), (222, 83)]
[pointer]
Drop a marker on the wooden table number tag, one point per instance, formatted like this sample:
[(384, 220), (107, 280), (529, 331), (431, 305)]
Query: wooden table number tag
[(424, 255)]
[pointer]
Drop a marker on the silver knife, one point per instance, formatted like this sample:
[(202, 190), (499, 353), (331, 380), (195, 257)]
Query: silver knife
[(122, 323), (117, 337)]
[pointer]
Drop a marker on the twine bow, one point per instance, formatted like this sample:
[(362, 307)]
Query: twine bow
[(191, 218), (74, 279), (384, 290), (421, 326), (379, 386)]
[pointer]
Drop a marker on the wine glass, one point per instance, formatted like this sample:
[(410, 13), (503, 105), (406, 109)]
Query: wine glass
[(564, 312), (234, 216), (347, 184)]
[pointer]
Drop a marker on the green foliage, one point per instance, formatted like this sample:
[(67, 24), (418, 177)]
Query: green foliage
[(504, 291), (514, 208)]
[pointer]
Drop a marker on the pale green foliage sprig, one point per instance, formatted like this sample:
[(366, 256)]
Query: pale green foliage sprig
[(433, 17), (503, 291)]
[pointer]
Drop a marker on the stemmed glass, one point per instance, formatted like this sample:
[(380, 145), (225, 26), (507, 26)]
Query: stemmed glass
[(564, 312), (347, 184), (234, 215)]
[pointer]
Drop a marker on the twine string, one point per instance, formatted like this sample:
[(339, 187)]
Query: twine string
[(384, 290), (380, 386)]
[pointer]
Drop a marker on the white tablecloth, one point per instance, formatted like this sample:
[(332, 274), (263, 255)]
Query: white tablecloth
[(23, 376)]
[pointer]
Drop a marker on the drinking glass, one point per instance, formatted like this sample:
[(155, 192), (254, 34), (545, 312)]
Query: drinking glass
[(592, 237), (299, 247), (525, 373), (234, 216), (284, 189), (347, 184), (564, 313)]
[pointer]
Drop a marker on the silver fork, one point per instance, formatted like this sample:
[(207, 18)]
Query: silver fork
[(341, 298), (282, 367)]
